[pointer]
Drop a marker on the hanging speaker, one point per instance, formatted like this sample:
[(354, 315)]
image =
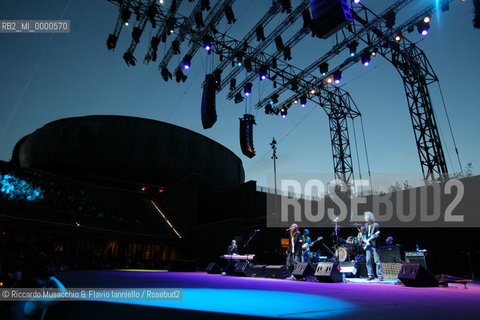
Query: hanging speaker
[(209, 113), (246, 135)]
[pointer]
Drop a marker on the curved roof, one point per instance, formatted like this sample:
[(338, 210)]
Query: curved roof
[(132, 148)]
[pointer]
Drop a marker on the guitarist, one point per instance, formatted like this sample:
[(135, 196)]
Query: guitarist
[(308, 241), (372, 230)]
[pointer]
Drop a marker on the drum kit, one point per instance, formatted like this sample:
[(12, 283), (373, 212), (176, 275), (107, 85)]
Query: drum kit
[(344, 250)]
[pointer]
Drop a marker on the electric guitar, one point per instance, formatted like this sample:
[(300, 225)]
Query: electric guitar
[(366, 242), (306, 246)]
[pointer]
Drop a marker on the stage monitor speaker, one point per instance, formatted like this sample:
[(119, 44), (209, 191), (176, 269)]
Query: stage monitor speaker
[(257, 271), (329, 16), (209, 113), (328, 272), (243, 269), (303, 270), (213, 268), (230, 268), (277, 272), (246, 135), (415, 275)]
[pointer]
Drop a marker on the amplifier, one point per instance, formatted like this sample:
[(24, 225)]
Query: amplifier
[(416, 257), (391, 254)]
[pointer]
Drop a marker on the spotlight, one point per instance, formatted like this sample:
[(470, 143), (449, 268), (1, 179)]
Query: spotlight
[(129, 58), (238, 98), (287, 53), (111, 41), (423, 28), (274, 63), (324, 68), (268, 109), (398, 37), (239, 56), (366, 59), (356, 1), (303, 101), (337, 76), (283, 112), (233, 84), (166, 74), (187, 62), (286, 6), (330, 79), (199, 20), (426, 19), (136, 34), (151, 13), (125, 16), (175, 47), (295, 101), (205, 5), (179, 76), (260, 33), (248, 65), (207, 43), (374, 52), (279, 43), (274, 98), (247, 89), (263, 73), (390, 18), (312, 91), (229, 14), (352, 46), (294, 85)]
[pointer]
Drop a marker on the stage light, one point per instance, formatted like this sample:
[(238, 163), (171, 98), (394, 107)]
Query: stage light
[(312, 91), (356, 1), (274, 98), (239, 57), (263, 73), (274, 63), (207, 43), (125, 15), (390, 18), (426, 19), (374, 52), (248, 65), (233, 83), (130, 60), (205, 5), (151, 13), (175, 47), (180, 76), (111, 41), (247, 89), (199, 20), (337, 76), (268, 109), (170, 24), (283, 112), (323, 68), (294, 84), (295, 101), (366, 59), (352, 46), (423, 28), (161, 1), (229, 14), (136, 34), (303, 101), (287, 53), (330, 79), (398, 37), (187, 62), (166, 74), (238, 98), (279, 43), (260, 33), (154, 43), (286, 6)]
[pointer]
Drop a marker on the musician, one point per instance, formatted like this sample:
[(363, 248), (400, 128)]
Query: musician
[(306, 241), (233, 249), (370, 236), (294, 253)]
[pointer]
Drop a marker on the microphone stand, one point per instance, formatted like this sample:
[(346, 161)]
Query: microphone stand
[(248, 242)]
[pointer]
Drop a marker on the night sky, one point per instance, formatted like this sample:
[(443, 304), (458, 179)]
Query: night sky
[(45, 77)]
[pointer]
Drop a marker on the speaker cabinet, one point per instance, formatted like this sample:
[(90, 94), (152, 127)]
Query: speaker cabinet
[(303, 270), (230, 268), (328, 272), (329, 16), (277, 272), (243, 269), (209, 113), (213, 268), (246, 135), (415, 275), (258, 271)]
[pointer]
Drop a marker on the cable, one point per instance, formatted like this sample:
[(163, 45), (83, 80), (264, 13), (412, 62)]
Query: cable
[(366, 153), (356, 151), (450, 127)]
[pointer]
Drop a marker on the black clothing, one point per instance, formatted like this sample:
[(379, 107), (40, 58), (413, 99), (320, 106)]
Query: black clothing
[(232, 249)]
